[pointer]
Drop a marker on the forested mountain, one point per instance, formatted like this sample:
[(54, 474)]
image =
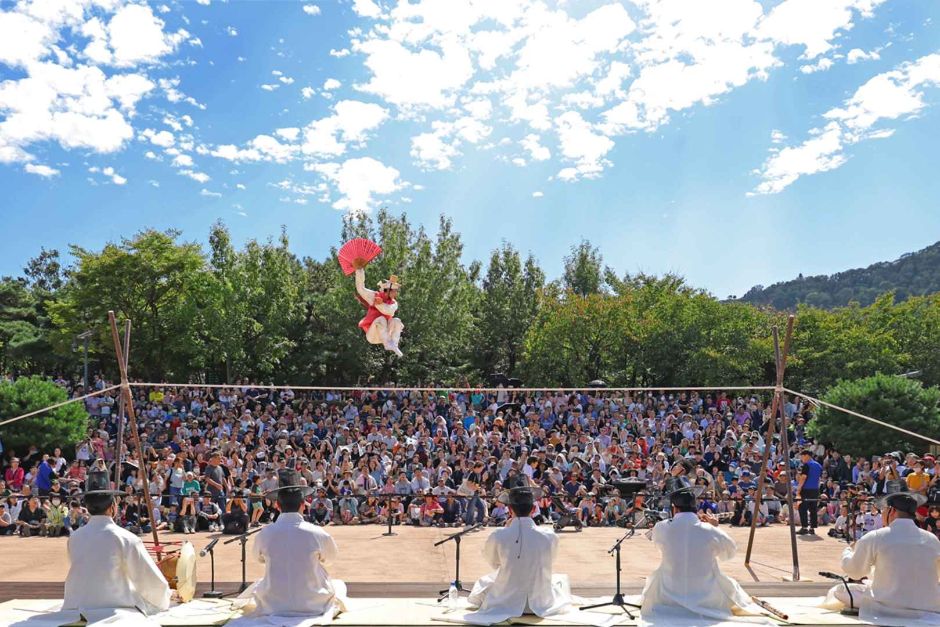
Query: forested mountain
[(913, 274)]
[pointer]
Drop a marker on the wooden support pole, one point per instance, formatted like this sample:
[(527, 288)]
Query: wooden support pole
[(119, 444), (780, 362), (135, 434), (785, 445)]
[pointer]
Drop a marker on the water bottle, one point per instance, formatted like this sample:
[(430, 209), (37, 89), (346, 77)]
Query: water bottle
[(452, 596)]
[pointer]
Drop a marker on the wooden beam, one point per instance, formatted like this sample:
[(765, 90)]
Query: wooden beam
[(132, 422)]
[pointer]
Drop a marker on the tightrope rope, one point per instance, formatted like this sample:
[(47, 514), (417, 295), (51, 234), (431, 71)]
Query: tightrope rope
[(57, 405), (862, 416), (334, 388)]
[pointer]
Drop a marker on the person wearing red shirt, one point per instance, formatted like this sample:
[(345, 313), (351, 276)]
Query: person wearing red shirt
[(14, 476)]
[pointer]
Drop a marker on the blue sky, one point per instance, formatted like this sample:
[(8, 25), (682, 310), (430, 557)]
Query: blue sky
[(734, 142)]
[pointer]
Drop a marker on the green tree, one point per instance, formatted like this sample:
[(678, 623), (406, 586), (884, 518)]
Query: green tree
[(63, 426), (157, 282), (573, 341), (507, 308), (896, 400), (24, 344), (583, 270)]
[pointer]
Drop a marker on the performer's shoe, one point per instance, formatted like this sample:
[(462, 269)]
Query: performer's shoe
[(802, 531)]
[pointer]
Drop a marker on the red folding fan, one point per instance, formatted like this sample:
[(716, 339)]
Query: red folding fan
[(357, 253)]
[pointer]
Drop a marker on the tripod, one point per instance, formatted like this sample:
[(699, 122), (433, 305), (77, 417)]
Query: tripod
[(618, 600), (243, 538), (456, 538)]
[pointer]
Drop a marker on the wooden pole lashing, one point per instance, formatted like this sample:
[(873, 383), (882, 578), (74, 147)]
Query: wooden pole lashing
[(119, 445), (780, 362), (132, 422)]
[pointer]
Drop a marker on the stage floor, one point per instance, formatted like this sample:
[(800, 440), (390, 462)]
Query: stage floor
[(408, 565)]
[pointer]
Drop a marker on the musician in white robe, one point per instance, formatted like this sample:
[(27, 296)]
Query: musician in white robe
[(901, 562), (294, 553), (689, 576), (109, 566), (521, 555)]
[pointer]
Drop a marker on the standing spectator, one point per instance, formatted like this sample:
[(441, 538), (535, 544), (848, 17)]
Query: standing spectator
[(44, 476), (808, 489), (215, 479)]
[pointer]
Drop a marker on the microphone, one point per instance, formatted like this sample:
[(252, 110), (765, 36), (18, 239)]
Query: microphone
[(208, 548)]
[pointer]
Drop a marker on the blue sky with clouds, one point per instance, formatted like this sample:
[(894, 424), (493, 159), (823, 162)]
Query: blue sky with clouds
[(732, 141)]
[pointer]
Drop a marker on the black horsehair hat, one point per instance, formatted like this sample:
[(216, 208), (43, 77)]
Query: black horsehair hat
[(290, 480), (98, 483), (520, 493), (682, 493), (898, 497)]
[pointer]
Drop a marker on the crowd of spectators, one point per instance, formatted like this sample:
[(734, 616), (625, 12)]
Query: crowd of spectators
[(440, 459)]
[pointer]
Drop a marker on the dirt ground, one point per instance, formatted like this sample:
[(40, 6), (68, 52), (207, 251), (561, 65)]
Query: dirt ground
[(409, 557)]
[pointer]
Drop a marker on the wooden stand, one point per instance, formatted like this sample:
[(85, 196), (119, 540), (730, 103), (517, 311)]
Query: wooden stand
[(777, 406)]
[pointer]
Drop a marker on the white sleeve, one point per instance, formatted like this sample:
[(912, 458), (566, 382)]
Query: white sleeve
[(387, 309), (147, 578), (328, 550), (365, 293), (725, 545), (857, 563), (491, 551)]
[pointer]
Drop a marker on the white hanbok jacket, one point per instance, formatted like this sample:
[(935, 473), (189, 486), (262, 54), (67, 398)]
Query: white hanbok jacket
[(522, 556), (110, 568), (902, 563), (295, 581), (689, 576)]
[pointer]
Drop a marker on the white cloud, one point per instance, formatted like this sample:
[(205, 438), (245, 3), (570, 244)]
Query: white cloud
[(205, 192), (813, 24), (777, 137), (366, 8), (232, 31), (888, 96), (261, 148), (537, 194), (41, 170), (204, 2), (350, 122), (290, 134), (311, 9), (135, 35), (199, 177), (536, 151), (331, 83), (343, 52), (821, 66), (270, 86), (857, 54), (183, 161), (432, 152), (358, 181), (308, 92), (240, 186), (154, 183), (164, 139), (580, 144), (116, 178), (287, 80)]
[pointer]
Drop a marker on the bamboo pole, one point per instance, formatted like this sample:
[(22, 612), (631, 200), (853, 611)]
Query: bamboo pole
[(780, 362), (119, 445), (132, 420)]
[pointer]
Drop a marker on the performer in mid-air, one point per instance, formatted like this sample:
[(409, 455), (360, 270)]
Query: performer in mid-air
[(379, 324)]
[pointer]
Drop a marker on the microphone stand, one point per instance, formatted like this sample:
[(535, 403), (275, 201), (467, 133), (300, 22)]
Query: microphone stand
[(618, 600), (212, 593), (243, 538), (456, 538), (851, 610)]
